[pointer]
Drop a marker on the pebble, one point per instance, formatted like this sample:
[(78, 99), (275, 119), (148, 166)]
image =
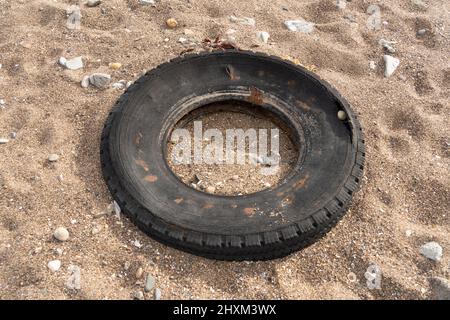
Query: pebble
[(408, 233), (53, 157), (300, 25), (387, 45), (341, 4), (147, 2), (235, 177), (73, 64), (61, 234), (126, 265), (432, 250), (419, 4), (157, 294), (149, 283), (341, 115), (2, 102), (391, 64), (13, 135), (372, 65), (139, 273), (85, 82), (54, 265), (138, 295), (171, 23), (440, 288), (99, 80), (4, 140), (421, 32), (74, 280), (74, 17), (93, 3), (210, 189), (119, 85), (246, 21), (115, 65), (263, 36)]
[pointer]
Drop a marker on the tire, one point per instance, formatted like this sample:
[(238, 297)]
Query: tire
[(306, 204)]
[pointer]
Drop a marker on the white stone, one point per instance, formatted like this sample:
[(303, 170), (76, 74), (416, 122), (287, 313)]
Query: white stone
[(432, 250), (300, 25), (372, 65), (74, 64), (61, 234), (244, 21), (147, 2), (4, 140), (391, 64), (341, 4), (54, 265), (263, 36), (53, 157), (93, 3), (85, 82)]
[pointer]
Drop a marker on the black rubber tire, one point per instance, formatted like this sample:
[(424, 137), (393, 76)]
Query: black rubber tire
[(307, 203)]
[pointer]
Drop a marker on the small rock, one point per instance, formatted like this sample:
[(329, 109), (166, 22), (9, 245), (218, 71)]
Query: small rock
[(182, 40), (171, 23), (13, 135), (440, 288), (85, 82), (61, 234), (387, 45), (139, 273), (244, 21), (74, 17), (138, 295), (137, 244), (372, 65), (74, 64), (210, 189), (300, 25), (100, 80), (408, 233), (37, 250), (147, 2), (341, 4), (126, 265), (419, 4), (157, 294), (149, 283), (263, 36), (235, 177), (4, 140), (74, 280), (432, 250), (93, 3), (53, 157), (54, 265), (62, 61), (115, 65), (118, 85), (59, 251), (421, 32), (342, 115), (391, 64)]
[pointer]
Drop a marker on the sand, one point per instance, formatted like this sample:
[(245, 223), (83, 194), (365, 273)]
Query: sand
[(405, 117)]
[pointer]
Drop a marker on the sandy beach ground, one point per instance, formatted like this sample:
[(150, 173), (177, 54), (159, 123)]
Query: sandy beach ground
[(404, 201)]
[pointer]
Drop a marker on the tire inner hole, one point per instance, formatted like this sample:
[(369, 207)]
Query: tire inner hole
[(201, 158)]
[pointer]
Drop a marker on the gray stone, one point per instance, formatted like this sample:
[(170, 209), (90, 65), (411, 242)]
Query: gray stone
[(299, 25), (149, 283), (138, 295), (61, 234), (74, 280), (100, 80), (440, 288), (432, 250), (93, 3), (74, 17), (421, 32), (157, 294)]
